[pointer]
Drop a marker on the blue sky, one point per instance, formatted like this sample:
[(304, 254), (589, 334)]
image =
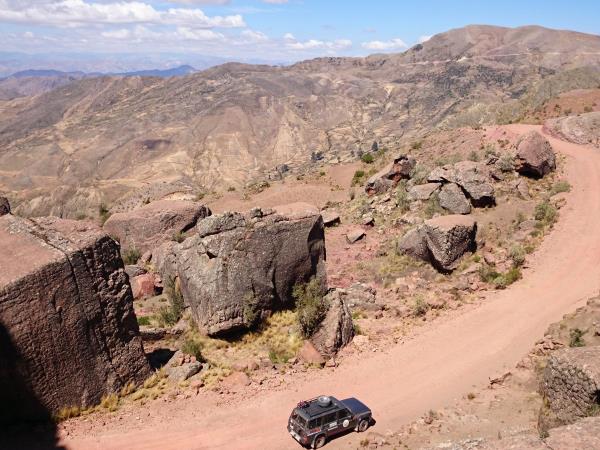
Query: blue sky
[(276, 30)]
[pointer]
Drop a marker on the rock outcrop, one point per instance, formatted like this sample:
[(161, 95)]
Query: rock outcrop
[(452, 199), (423, 191), (4, 206), (535, 156), (472, 177), (147, 227), (68, 332), (583, 129), (441, 241), (336, 330), (570, 386), (239, 267), (400, 169)]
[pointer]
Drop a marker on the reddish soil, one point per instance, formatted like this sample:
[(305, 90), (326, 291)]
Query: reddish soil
[(443, 361)]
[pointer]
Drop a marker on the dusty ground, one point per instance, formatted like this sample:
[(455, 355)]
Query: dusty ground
[(437, 365)]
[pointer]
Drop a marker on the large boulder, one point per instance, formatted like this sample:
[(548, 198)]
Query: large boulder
[(400, 169), (336, 330), (472, 177), (68, 332), (423, 191), (448, 238), (147, 227), (570, 386), (441, 241), (535, 156), (4, 206), (240, 267), (453, 199)]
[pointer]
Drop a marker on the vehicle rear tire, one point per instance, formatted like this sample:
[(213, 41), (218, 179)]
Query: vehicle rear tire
[(319, 442), (362, 425)]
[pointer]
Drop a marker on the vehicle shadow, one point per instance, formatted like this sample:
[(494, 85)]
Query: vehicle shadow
[(25, 422)]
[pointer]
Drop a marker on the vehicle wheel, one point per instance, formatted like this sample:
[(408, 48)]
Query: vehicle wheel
[(363, 425), (319, 442)]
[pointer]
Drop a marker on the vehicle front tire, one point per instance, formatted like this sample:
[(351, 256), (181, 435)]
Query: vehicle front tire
[(362, 425), (319, 442)]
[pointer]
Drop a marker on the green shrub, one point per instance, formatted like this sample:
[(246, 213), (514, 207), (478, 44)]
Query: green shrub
[(143, 320), (131, 256), (473, 156), (433, 206), (576, 338), (178, 237), (587, 109), (367, 158), (517, 254), (402, 201), (420, 307), (506, 163), (417, 145), (310, 305), (420, 174), (560, 186), (103, 213), (545, 213), (251, 311), (170, 315), (192, 347), (358, 177)]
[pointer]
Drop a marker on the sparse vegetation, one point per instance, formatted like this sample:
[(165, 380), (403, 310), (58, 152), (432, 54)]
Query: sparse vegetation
[(499, 280), (517, 255), (358, 178), (576, 338), (143, 320), (417, 145), (178, 237), (419, 307), (506, 163), (433, 207), (402, 201), (545, 213), (310, 305), (170, 315), (192, 347), (110, 402), (131, 256), (367, 158), (103, 213), (560, 186)]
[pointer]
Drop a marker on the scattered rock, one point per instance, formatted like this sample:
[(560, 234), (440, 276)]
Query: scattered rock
[(177, 374), (448, 238), (453, 199), (146, 227), (522, 189), (238, 269), (310, 355), (535, 156), (236, 381), (336, 330), (247, 364), (389, 177), (134, 271), (423, 191), (4, 206), (143, 286), (330, 218), (355, 235), (368, 221), (472, 177), (413, 243), (67, 326)]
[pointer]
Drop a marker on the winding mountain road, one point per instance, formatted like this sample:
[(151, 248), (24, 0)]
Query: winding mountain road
[(438, 366)]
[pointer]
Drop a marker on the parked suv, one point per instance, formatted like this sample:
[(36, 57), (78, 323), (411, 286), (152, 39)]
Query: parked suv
[(313, 422)]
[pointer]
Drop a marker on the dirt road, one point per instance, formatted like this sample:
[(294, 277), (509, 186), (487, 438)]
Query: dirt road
[(441, 364)]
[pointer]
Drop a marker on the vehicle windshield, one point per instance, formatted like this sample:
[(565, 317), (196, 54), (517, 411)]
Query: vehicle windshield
[(299, 419)]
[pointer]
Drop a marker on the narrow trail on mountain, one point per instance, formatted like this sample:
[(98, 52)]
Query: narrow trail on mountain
[(440, 364)]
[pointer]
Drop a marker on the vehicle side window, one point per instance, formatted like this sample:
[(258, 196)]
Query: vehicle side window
[(343, 414), (314, 423), (329, 418)]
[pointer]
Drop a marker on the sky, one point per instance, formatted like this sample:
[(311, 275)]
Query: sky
[(268, 30)]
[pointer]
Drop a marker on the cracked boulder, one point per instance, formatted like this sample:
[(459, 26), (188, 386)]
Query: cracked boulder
[(472, 177), (535, 156), (400, 169), (453, 199), (240, 267), (441, 241), (147, 227), (337, 329), (68, 332)]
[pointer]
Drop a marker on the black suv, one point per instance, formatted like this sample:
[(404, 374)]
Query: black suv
[(314, 421)]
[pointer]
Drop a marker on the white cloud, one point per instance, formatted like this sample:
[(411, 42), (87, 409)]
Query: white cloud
[(28, 35), (315, 44), (393, 44), (289, 37), (80, 12), (254, 36), (424, 38), (201, 2)]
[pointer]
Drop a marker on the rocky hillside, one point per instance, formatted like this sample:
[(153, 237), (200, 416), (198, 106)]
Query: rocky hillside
[(104, 140)]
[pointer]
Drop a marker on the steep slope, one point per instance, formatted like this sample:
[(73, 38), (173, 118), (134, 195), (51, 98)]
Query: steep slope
[(100, 140)]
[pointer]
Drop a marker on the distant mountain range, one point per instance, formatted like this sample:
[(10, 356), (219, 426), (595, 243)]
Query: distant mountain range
[(37, 81)]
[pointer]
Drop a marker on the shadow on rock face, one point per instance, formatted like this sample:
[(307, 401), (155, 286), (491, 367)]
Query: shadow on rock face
[(159, 357), (25, 423)]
